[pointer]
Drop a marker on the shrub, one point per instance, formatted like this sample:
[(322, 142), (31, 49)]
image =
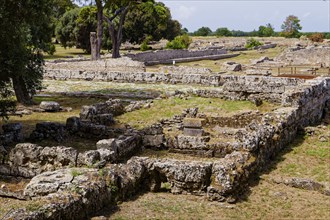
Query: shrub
[(179, 42), (144, 45), (317, 37), (251, 43)]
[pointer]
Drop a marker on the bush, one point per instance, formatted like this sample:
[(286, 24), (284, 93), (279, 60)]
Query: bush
[(317, 37), (179, 42), (251, 43), (144, 45)]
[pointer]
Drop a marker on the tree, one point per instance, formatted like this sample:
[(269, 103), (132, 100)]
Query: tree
[(61, 6), (184, 31), (100, 4), (223, 32), (291, 27), (238, 33), (150, 19), (203, 31), (179, 42), (65, 28), (266, 31), (115, 13), (6, 102), (86, 22), (25, 33)]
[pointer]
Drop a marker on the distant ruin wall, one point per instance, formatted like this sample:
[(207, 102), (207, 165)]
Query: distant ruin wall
[(249, 84), (123, 64), (309, 56), (174, 54)]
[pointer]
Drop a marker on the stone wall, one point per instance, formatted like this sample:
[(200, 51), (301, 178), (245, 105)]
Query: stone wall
[(234, 87), (308, 56), (164, 55), (134, 77), (263, 140), (220, 180), (123, 64), (184, 70)]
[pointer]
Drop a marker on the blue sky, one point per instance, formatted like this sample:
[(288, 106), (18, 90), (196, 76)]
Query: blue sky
[(247, 15)]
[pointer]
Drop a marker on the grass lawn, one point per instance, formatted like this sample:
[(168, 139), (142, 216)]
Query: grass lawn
[(167, 108), (61, 52)]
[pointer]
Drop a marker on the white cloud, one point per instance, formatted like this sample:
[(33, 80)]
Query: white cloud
[(184, 12), (307, 14)]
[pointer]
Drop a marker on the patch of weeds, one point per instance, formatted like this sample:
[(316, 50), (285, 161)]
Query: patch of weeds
[(113, 188), (31, 207), (166, 186), (75, 173), (289, 169), (76, 189), (321, 173), (318, 152), (101, 172)]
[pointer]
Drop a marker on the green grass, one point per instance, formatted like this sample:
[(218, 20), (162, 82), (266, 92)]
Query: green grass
[(61, 52), (167, 108), (306, 157), (73, 52)]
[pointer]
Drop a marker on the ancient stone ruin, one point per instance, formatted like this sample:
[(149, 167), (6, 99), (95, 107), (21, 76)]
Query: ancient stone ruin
[(76, 184), (238, 146)]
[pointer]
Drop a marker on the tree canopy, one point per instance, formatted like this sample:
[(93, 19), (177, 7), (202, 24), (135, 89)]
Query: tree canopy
[(25, 32), (266, 31), (223, 32), (203, 31), (148, 19), (291, 27)]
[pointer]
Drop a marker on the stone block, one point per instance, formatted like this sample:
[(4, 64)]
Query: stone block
[(72, 124), (195, 132), (12, 127), (192, 143), (50, 106), (106, 144), (88, 158), (157, 141), (193, 122)]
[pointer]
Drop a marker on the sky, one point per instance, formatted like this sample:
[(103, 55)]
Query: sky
[(247, 15)]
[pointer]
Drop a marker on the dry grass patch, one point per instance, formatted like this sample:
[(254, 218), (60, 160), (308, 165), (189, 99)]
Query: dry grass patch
[(265, 201), (8, 205)]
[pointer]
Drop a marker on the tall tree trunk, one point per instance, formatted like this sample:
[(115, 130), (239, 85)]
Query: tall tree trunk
[(21, 93), (113, 35), (116, 35), (120, 32), (99, 27)]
